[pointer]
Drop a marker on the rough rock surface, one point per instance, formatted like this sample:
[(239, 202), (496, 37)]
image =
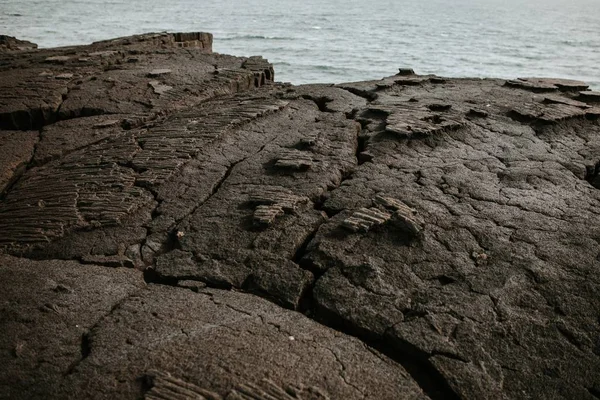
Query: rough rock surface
[(412, 237), (10, 43), (47, 312), (218, 340)]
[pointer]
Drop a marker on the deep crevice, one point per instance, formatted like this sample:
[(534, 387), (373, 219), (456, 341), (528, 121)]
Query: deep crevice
[(85, 351), (594, 392), (592, 174), (320, 101), (303, 250), (361, 156), (415, 361), (319, 205), (412, 359), (152, 276), (86, 346), (372, 121), (86, 341), (107, 262)]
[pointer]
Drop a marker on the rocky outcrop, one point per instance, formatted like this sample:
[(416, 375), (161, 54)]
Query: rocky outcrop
[(48, 310), (412, 237), (10, 44), (143, 77)]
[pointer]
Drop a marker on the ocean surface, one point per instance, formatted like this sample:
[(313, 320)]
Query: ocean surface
[(338, 41)]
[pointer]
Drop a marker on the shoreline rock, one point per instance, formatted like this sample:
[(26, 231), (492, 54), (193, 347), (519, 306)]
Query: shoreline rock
[(174, 223)]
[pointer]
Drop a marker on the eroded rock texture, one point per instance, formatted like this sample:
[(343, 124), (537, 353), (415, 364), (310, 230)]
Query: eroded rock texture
[(221, 341), (47, 311), (10, 44), (412, 237)]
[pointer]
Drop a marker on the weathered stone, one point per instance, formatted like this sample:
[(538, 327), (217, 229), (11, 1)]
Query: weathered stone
[(410, 81), (474, 112), (159, 88), (227, 192), (394, 204), (159, 72), (265, 215), (218, 344), (57, 59), (406, 71), (294, 160), (64, 76), (200, 40), (65, 137), (365, 219), (564, 100), (593, 113), (507, 250), (26, 106), (164, 386), (10, 44), (410, 122), (47, 310), (551, 113), (451, 223), (29, 99), (328, 99), (262, 69), (590, 96), (437, 80), (279, 196)]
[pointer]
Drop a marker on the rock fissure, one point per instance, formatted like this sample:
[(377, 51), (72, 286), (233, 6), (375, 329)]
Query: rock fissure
[(594, 392), (414, 361)]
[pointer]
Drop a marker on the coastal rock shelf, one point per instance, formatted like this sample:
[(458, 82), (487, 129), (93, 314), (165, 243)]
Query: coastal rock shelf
[(175, 224)]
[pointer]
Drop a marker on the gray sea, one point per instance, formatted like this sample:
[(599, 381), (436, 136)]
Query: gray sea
[(336, 41)]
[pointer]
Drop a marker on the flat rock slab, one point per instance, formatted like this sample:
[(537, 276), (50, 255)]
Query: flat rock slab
[(508, 252), (46, 313), (548, 84), (225, 342)]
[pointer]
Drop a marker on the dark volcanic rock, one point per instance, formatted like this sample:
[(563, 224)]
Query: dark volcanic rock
[(547, 84), (452, 226), (219, 343), (10, 43), (47, 311), (121, 76), (590, 96), (506, 268)]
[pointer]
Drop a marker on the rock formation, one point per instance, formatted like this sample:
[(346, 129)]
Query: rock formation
[(174, 224)]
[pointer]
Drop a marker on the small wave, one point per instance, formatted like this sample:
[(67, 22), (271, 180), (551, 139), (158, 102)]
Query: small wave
[(320, 67), (256, 37)]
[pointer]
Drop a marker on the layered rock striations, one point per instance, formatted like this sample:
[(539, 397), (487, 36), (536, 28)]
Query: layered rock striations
[(174, 224)]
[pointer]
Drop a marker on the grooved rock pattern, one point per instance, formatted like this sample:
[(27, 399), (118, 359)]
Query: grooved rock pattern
[(174, 224)]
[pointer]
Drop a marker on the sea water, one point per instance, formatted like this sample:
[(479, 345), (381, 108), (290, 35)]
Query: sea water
[(346, 40)]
